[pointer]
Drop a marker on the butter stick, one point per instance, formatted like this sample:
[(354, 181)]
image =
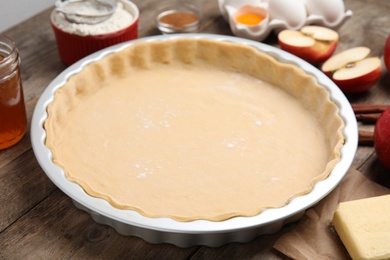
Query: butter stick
[(364, 227)]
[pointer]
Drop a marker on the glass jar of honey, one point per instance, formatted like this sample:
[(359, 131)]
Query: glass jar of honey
[(13, 119)]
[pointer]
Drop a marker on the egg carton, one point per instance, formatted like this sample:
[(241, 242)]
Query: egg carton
[(283, 14)]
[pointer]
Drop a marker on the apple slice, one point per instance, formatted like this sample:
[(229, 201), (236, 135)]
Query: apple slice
[(352, 70), (346, 57), (315, 44)]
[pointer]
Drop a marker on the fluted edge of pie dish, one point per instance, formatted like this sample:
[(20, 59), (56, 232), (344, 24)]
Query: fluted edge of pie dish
[(159, 230)]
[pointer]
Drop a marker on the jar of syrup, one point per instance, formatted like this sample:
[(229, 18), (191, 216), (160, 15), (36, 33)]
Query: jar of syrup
[(13, 119)]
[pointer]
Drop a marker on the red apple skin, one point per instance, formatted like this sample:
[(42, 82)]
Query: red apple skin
[(311, 54), (386, 54), (382, 138), (359, 84)]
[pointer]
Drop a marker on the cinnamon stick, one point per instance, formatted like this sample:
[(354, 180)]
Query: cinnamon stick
[(368, 118), (366, 138), (369, 108)]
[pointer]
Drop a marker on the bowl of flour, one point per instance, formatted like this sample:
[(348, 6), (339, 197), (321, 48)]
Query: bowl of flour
[(77, 40)]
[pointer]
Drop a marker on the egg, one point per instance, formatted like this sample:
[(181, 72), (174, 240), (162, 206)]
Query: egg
[(236, 4), (249, 21), (292, 12), (250, 15), (331, 10)]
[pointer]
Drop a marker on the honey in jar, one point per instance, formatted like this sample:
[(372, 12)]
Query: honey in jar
[(13, 119)]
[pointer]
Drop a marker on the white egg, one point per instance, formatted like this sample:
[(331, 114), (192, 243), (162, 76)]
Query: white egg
[(293, 12), (331, 10)]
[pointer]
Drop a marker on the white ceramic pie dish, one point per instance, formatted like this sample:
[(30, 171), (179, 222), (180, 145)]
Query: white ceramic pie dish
[(199, 232)]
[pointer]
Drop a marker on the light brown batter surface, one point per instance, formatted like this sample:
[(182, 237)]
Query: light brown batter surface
[(191, 142)]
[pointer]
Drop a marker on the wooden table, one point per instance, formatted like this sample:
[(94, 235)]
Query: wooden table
[(38, 221)]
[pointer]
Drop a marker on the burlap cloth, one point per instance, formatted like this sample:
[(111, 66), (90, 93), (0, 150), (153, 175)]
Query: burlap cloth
[(314, 237)]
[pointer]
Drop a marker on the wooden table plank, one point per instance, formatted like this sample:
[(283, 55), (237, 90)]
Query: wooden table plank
[(56, 229), (23, 186), (39, 221)]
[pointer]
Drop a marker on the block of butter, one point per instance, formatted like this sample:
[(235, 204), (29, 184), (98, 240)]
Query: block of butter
[(364, 227)]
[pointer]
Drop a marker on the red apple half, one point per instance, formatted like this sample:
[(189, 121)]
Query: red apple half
[(352, 70), (386, 54), (315, 44), (382, 138)]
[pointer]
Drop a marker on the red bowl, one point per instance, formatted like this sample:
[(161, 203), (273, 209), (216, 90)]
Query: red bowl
[(73, 47)]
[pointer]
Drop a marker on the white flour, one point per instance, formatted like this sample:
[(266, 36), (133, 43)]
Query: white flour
[(119, 20)]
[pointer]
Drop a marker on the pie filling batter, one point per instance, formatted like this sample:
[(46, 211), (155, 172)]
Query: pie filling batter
[(168, 132)]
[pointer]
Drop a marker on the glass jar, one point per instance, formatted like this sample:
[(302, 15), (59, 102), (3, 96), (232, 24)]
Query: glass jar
[(178, 16), (13, 119)]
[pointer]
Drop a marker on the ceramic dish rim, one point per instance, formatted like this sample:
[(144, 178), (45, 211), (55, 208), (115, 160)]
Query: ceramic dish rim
[(130, 217)]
